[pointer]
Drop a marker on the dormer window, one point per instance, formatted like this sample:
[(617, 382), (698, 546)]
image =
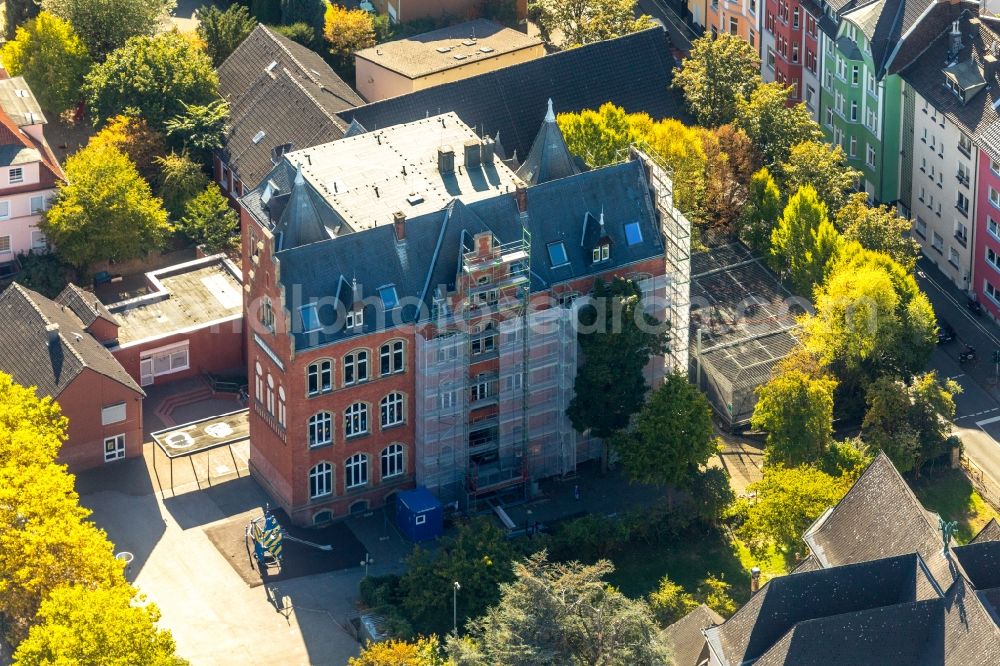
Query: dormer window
[(602, 252), (389, 297), (15, 175), (310, 318), (354, 319)]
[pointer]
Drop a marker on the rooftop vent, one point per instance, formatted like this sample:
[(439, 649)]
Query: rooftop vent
[(258, 137), (486, 49), (443, 49), (446, 160), (415, 199), (469, 42), (53, 333), (270, 68), (460, 56)]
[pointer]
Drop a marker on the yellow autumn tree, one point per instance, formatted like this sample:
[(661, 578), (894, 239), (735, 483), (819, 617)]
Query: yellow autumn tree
[(421, 652), (347, 31)]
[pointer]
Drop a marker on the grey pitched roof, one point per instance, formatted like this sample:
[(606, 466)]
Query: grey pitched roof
[(301, 220), (685, 637), (633, 72), (430, 255), (549, 157), (85, 305), (279, 93), (886, 23), (27, 355), (19, 102), (878, 517), (980, 563), (990, 532), (786, 601)]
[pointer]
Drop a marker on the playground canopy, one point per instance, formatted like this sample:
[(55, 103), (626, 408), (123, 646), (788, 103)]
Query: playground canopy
[(202, 436)]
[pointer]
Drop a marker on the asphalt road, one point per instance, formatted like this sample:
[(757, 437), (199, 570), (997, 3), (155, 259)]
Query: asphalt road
[(977, 418), (680, 33)]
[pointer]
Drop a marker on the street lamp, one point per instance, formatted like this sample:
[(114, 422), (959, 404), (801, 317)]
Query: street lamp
[(368, 560), (454, 605)]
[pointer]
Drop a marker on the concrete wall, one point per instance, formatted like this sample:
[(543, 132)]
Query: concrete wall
[(81, 403)]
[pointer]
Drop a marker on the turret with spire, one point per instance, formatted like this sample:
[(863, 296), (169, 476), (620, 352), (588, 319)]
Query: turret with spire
[(300, 222), (549, 157)]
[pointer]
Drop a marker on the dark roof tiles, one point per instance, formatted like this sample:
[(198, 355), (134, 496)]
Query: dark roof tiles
[(687, 642)]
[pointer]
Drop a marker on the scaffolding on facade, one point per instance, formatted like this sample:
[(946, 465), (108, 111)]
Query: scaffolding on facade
[(743, 322)]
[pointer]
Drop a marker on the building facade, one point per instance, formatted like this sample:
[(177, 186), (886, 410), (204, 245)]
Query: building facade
[(986, 252), (735, 17)]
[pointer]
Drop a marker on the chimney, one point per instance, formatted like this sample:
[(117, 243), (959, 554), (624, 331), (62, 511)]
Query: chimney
[(399, 225), (754, 580), (472, 154), (991, 66), (446, 160), (521, 196), (489, 150), (53, 332), (954, 41)]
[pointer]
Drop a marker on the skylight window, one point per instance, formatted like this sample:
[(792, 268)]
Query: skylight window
[(258, 137), (633, 234), (310, 318), (389, 298), (557, 254), (270, 68)]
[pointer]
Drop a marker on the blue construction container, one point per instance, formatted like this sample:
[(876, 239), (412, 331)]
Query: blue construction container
[(419, 515)]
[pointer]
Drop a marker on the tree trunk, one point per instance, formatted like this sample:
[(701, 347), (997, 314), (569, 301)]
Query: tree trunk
[(605, 456)]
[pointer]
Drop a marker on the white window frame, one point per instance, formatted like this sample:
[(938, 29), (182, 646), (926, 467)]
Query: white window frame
[(115, 413), (36, 209), (38, 240), (393, 459), (356, 471), (282, 413), (4, 210), (15, 176), (171, 352), (319, 430), (356, 421), (117, 452), (5, 245), (392, 410), (320, 480)]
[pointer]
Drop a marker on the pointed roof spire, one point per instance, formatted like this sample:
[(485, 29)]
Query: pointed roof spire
[(549, 158), (299, 179), (601, 221), (300, 222), (550, 116)]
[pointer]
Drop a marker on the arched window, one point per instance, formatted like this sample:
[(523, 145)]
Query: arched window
[(356, 366), (392, 410), (356, 471), (270, 394), (321, 480), (392, 357), (356, 419), (323, 517), (392, 461), (281, 406), (320, 429), (258, 383), (319, 377)]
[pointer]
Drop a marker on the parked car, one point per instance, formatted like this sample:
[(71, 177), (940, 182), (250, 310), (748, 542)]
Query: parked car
[(946, 333)]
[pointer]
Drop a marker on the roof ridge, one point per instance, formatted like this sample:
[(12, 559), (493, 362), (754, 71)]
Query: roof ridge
[(333, 117), (284, 47), (27, 294)]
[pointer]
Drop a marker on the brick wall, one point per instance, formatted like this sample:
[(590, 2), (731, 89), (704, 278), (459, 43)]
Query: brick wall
[(81, 403)]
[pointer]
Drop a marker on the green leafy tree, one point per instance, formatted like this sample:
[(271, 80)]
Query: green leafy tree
[(910, 423), (106, 25), (105, 210), (871, 320), (603, 137), (847, 459), (714, 593), (51, 58), (728, 170), (81, 625), (672, 436), (210, 221), (772, 125), (823, 167), (478, 557), (805, 244), (589, 538), (132, 136), (347, 31), (155, 76), (585, 21), (200, 128), (181, 180), (878, 228), (554, 613), (300, 33), (223, 31), (785, 503), (762, 211), (719, 73), (610, 385), (796, 411), (670, 602)]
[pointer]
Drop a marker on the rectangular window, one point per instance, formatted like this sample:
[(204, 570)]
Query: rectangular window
[(810, 96), (961, 233), (224, 178), (166, 360), (993, 227), (354, 319), (4, 244), (854, 146), (795, 18), (855, 75), (992, 258), (15, 176), (870, 158), (829, 117), (937, 242), (114, 448), (310, 318), (557, 254), (854, 111), (113, 414), (828, 80), (995, 197), (770, 59), (633, 233), (446, 400), (4, 210), (962, 204), (965, 144), (37, 204), (389, 297), (795, 52), (38, 240), (734, 26), (995, 167), (963, 174), (921, 228), (953, 257), (991, 291)]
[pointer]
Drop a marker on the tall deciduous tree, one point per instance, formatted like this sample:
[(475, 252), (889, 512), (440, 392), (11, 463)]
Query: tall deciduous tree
[(585, 21), (796, 411), (210, 221), (823, 167), (772, 125), (910, 423), (603, 136), (672, 436), (180, 181), (50, 56), (763, 210), (785, 502), (132, 136), (105, 210), (199, 129), (79, 625), (155, 76), (105, 25), (719, 73), (729, 169), (804, 244), (878, 228), (223, 31), (347, 31), (617, 339), (421, 652), (556, 613)]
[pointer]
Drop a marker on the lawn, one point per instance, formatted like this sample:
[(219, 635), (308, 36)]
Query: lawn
[(950, 494), (687, 558)]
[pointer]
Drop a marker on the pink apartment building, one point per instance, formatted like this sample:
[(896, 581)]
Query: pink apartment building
[(29, 170), (986, 239)]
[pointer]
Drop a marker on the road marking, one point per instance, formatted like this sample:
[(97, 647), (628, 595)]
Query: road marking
[(957, 377), (988, 421), (962, 309)]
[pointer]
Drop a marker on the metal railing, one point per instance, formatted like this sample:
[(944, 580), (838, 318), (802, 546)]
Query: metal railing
[(982, 482)]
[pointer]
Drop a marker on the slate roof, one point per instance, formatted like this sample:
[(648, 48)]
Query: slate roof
[(85, 305), (789, 600), (423, 54), (685, 637), (990, 532), (886, 23), (878, 517), (976, 116), (292, 102), (980, 563), (549, 157), (633, 72), (430, 256), (826, 24), (25, 352)]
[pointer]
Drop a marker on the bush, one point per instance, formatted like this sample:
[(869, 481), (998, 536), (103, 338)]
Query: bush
[(589, 538), (297, 32), (380, 590), (208, 220), (44, 272)]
